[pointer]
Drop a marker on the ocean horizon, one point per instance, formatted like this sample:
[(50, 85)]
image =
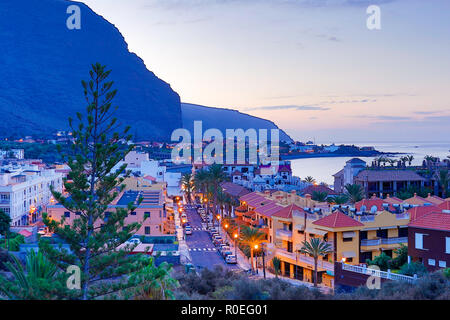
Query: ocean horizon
[(322, 169)]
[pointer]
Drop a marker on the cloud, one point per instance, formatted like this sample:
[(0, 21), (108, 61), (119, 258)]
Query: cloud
[(183, 4), (384, 117), (428, 112), (290, 107)]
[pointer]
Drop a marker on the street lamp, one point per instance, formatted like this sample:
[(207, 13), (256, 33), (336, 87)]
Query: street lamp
[(256, 258), (235, 244)]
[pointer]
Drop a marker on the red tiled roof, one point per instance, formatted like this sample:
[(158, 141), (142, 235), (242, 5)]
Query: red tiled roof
[(433, 220), (337, 220), (318, 188), (445, 205), (269, 209), (434, 199), (388, 175), (419, 212), (234, 189), (286, 212), (393, 200), (25, 233)]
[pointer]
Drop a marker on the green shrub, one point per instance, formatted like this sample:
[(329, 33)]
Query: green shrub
[(410, 269)]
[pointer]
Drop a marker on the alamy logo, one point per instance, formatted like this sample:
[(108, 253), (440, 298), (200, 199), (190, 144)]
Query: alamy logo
[(73, 22), (374, 281), (74, 280), (237, 144), (374, 18)]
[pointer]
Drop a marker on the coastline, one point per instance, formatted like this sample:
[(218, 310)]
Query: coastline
[(361, 154)]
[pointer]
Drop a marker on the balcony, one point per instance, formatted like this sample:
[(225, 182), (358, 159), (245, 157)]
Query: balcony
[(5, 201), (370, 242), (301, 258), (284, 234), (394, 240)]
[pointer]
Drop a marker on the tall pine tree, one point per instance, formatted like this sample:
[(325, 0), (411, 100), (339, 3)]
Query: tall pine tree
[(94, 236)]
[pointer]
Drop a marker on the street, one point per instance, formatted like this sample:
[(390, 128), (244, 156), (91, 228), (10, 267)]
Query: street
[(203, 253)]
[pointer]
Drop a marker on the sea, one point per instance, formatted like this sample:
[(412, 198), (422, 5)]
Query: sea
[(322, 169)]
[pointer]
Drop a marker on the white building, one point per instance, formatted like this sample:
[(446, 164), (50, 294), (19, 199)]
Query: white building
[(13, 153), (25, 191), (140, 164)]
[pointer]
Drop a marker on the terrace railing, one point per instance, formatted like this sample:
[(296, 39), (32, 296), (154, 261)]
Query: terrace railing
[(394, 240), (370, 242), (378, 273)]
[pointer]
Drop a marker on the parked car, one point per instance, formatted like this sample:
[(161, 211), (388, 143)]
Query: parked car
[(217, 240), (134, 241), (188, 230), (226, 253), (231, 259), (223, 248)]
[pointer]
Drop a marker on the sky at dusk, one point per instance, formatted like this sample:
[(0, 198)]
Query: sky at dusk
[(311, 66)]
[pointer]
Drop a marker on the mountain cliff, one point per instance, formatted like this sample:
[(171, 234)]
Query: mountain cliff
[(223, 119), (42, 64)]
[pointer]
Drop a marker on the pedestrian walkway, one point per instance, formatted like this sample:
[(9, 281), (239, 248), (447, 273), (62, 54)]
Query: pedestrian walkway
[(185, 257), (203, 249), (198, 229)]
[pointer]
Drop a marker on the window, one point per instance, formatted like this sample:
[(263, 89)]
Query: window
[(442, 264), (78, 213), (431, 262), (160, 213), (347, 239), (383, 233), (133, 213), (67, 214), (147, 230), (447, 244), (348, 259), (419, 241)]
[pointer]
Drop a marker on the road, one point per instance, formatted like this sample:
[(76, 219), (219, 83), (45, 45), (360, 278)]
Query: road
[(203, 253)]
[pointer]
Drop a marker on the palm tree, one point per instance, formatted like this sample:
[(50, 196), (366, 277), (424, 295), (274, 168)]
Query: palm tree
[(201, 181), (320, 196), (310, 179), (410, 158), (39, 280), (251, 237), (187, 185), (316, 247), (391, 161), (339, 199), (276, 262), (443, 178), (354, 192), (216, 176)]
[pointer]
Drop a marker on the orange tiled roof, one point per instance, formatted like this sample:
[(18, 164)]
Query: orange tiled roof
[(419, 212), (418, 200), (286, 212), (434, 199), (445, 205), (337, 220), (433, 220)]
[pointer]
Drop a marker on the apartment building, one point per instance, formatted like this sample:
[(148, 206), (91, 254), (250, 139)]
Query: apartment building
[(25, 191), (151, 213), (429, 237), (355, 233)]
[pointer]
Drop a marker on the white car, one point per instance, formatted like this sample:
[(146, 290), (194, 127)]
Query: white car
[(231, 259), (188, 230), (134, 241)]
